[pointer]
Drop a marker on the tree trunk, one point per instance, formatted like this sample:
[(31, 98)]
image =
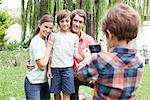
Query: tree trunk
[(54, 14), (100, 9), (44, 8), (31, 16), (51, 6), (25, 20), (77, 4), (22, 19), (81, 4), (68, 4), (90, 18)]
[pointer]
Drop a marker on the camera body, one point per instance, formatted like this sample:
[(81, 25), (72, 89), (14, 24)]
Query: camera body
[(96, 48)]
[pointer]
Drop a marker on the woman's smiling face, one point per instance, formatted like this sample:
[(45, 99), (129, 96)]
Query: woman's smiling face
[(45, 29)]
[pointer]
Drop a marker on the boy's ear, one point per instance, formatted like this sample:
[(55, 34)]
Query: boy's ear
[(109, 34)]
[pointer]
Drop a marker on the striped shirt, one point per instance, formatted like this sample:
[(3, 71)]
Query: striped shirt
[(119, 74)]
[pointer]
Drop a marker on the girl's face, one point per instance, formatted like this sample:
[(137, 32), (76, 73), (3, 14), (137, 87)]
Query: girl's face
[(65, 24), (45, 29)]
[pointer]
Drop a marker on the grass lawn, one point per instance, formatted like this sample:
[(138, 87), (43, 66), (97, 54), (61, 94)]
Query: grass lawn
[(13, 69)]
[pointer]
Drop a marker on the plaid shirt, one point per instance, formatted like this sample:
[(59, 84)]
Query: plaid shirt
[(119, 74)]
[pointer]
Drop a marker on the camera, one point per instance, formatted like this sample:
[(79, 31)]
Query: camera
[(96, 48)]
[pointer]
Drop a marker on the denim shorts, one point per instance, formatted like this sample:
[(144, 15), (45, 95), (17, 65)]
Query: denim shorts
[(63, 80), (36, 91)]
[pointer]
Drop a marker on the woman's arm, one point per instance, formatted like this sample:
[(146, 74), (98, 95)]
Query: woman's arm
[(41, 63)]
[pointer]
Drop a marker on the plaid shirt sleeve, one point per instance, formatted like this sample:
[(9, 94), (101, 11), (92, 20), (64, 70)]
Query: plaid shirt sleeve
[(89, 70)]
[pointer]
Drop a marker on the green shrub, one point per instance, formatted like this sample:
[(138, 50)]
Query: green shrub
[(4, 24), (13, 58), (26, 44), (14, 45)]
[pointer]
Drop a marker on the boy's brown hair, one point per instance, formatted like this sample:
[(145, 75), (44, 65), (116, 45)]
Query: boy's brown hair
[(122, 21), (62, 14)]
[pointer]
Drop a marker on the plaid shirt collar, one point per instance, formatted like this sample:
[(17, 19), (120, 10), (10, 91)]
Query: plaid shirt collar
[(123, 50)]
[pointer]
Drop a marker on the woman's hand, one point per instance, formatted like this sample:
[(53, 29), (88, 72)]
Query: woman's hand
[(50, 41)]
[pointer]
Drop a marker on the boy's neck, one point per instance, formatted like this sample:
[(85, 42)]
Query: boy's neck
[(124, 44), (64, 31)]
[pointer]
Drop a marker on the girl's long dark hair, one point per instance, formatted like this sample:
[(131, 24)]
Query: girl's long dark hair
[(44, 18)]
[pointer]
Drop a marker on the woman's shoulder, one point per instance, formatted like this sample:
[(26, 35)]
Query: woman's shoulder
[(36, 40)]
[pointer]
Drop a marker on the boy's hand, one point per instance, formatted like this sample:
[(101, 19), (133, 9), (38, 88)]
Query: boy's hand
[(81, 65), (103, 46), (94, 79), (30, 67), (86, 53), (87, 56), (49, 74)]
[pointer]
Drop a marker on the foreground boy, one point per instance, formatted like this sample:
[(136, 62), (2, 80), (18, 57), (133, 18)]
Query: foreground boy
[(120, 70)]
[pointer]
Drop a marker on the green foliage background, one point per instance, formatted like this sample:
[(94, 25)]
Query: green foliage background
[(4, 24)]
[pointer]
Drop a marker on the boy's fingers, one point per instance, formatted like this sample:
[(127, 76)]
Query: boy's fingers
[(48, 76), (51, 75), (30, 67)]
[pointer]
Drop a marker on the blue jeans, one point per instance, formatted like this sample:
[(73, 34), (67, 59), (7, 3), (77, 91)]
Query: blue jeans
[(36, 91), (63, 80)]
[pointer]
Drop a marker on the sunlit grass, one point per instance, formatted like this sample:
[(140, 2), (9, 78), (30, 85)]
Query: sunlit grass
[(12, 71)]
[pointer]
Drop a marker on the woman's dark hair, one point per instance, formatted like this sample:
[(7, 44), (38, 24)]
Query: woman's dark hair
[(43, 19)]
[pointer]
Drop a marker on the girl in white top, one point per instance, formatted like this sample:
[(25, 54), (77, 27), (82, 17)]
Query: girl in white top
[(36, 83), (65, 48)]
